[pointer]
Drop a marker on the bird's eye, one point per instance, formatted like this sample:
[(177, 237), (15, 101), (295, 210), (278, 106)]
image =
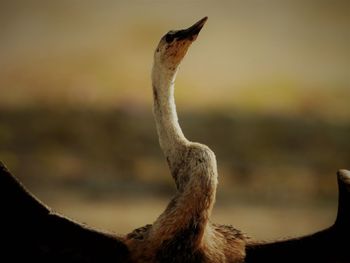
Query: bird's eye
[(169, 38)]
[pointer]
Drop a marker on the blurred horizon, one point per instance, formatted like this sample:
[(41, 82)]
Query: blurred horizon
[(266, 85), (257, 56)]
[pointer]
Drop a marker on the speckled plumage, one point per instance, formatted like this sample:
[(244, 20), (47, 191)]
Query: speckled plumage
[(183, 232)]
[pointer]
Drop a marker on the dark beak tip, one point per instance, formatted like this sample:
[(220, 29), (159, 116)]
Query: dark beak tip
[(197, 27), (204, 19), (201, 22), (192, 32)]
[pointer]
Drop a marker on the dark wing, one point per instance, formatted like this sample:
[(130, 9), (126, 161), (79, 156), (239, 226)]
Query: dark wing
[(328, 246), (30, 231)]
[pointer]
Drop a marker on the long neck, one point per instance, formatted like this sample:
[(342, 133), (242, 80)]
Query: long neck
[(171, 137), (192, 165)]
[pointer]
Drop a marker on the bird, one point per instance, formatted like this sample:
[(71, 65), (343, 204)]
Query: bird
[(183, 232)]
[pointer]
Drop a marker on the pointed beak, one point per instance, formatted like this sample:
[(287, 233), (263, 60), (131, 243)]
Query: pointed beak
[(192, 32)]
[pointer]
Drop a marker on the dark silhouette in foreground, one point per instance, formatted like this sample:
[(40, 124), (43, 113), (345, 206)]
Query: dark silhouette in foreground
[(329, 245), (31, 231)]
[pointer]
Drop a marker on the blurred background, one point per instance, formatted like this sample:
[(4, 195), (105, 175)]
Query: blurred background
[(266, 86)]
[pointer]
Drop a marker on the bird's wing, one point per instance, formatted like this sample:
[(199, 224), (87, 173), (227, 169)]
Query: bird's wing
[(327, 246), (29, 230)]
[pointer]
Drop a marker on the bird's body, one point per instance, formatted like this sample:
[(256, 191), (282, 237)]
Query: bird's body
[(221, 243), (183, 232)]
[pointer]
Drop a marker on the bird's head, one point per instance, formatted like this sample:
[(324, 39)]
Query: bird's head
[(174, 45)]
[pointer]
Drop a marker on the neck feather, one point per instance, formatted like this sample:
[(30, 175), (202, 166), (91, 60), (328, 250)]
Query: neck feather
[(171, 137), (193, 166), (189, 211)]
